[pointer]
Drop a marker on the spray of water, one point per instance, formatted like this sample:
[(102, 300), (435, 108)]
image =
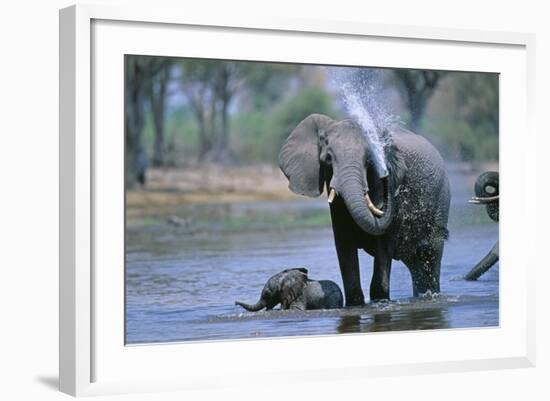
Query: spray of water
[(362, 97)]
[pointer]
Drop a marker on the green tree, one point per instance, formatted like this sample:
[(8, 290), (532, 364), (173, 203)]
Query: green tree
[(197, 86), (309, 100), (417, 86), (267, 84), (139, 71), (157, 90), (211, 88), (477, 101), (463, 122)]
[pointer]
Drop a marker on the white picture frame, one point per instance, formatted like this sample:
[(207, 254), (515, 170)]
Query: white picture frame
[(92, 358)]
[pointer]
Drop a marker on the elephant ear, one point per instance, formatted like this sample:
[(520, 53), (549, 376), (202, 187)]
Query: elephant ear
[(397, 168), (299, 156), (300, 269), (292, 286)]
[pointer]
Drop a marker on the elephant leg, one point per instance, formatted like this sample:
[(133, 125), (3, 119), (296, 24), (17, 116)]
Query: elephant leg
[(380, 283), (425, 268), (346, 250), (298, 305), (349, 267), (484, 264)]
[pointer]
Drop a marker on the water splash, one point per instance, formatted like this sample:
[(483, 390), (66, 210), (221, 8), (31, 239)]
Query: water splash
[(365, 102)]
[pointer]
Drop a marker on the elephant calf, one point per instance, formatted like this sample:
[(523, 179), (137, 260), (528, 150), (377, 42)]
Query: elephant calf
[(294, 290)]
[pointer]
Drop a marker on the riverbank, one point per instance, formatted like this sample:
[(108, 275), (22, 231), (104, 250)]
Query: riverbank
[(219, 184), (220, 198)]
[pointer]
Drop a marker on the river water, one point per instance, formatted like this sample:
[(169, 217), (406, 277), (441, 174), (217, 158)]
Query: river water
[(183, 286)]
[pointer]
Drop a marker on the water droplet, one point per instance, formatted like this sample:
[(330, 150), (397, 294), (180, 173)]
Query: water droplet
[(362, 97)]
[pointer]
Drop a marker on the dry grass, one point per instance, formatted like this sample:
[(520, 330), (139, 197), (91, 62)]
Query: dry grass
[(209, 184), (171, 187)]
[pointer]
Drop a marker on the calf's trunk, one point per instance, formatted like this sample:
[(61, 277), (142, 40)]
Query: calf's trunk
[(252, 308)]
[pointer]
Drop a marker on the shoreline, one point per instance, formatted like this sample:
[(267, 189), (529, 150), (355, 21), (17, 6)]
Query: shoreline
[(172, 186)]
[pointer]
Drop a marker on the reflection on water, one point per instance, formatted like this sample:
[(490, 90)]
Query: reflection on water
[(189, 293), (394, 321)]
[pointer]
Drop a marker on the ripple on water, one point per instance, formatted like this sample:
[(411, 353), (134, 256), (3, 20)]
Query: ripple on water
[(187, 292)]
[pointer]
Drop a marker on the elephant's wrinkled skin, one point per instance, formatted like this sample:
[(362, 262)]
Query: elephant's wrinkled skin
[(294, 290), (404, 216)]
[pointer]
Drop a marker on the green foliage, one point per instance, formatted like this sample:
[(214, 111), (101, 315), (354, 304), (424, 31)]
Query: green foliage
[(267, 83), (182, 135), (477, 99), (249, 108), (466, 127), (259, 135), (308, 100), (254, 137), (459, 141), (256, 134), (417, 87), (184, 128)]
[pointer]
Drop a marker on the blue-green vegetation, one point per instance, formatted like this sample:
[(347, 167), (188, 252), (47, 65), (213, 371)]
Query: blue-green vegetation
[(195, 111)]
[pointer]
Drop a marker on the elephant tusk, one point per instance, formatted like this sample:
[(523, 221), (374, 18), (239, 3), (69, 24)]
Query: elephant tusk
[(331, 195), (377, 212), (479, 200)]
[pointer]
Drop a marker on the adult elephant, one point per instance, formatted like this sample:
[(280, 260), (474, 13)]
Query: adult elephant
[(399, 214)]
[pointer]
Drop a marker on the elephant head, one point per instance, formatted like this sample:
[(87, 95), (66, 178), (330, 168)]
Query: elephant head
[(284, 288), (486, 190), (323, 151), (487, 193)]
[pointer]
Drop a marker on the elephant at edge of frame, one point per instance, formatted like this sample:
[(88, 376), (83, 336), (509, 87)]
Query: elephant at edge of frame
[(396, 212), (487, 193)]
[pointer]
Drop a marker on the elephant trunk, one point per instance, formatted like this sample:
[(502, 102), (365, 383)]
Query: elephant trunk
[(353, 192), (252, 308), (484, 264)]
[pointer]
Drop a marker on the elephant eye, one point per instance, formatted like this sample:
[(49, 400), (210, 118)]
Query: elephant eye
[(490, 189), (328, 158)]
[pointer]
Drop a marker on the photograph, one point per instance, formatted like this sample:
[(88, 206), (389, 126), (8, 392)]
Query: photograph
[(269, 200)]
